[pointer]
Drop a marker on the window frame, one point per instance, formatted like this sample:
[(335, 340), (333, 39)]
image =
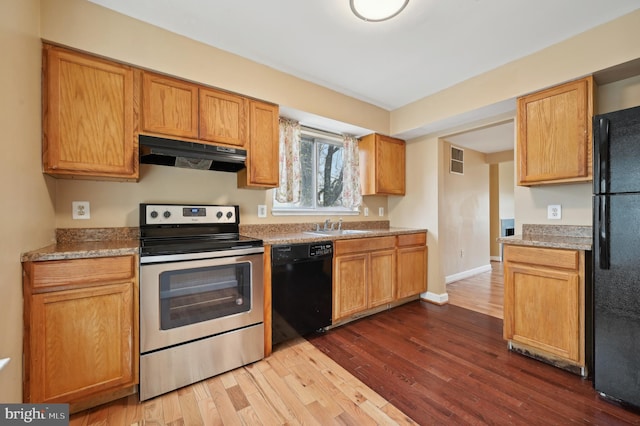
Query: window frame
[(327, 138)]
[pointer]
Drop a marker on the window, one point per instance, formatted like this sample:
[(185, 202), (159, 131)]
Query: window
[(321, 158)]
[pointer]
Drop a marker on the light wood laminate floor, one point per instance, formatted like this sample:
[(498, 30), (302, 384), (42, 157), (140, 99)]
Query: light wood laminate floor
[(482, 293), (297, 384)]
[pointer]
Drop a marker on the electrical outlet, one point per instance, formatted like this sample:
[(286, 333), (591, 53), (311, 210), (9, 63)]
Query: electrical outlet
[(262, 210), (366, 211), (381, 211), (554, 211), (80, 210)]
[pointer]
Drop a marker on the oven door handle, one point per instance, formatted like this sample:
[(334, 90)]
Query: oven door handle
[(203, 255)]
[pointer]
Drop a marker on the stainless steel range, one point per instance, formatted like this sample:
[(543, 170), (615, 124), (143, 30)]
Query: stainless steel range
[(201, 295)]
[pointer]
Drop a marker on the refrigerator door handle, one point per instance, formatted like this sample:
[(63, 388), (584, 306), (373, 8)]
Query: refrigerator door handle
[(603, 155), (603, 232)]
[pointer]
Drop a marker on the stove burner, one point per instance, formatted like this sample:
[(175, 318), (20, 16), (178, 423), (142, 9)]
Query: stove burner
[(167, 229)]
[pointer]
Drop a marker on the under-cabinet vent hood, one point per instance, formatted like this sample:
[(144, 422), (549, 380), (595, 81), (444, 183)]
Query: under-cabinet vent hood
[(190, 155)]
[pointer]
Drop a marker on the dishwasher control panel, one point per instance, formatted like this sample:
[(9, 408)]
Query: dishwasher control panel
[(321, 249), (286, 253)]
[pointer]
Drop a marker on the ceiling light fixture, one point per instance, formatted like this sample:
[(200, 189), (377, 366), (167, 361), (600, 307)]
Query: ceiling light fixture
[(377, 10)]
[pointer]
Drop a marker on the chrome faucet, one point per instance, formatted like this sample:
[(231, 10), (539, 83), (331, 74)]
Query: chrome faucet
[(340, 224), (326, 224)]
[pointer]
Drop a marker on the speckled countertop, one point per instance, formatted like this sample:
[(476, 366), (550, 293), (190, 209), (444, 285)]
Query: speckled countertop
[(553, 236), (292, 233), (77, 243)]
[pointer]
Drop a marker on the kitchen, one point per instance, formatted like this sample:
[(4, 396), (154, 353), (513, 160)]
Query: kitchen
[(44, 204)]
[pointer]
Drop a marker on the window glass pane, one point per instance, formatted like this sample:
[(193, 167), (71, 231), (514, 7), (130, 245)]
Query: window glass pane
[(329, 174), (308, 166), (321, 186)]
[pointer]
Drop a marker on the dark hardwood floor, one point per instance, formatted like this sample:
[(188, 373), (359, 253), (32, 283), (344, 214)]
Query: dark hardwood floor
[(450, 365), (435, 364)]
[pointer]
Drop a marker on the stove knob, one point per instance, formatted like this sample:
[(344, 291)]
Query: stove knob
[(229, 214), (219, 214), (166, 214), (153, 214)]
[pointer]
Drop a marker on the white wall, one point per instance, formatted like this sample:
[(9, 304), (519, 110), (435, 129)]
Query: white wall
[(506, 184), (562, 62), (419, 207), (575, 199), (464, 243), (26, 217)]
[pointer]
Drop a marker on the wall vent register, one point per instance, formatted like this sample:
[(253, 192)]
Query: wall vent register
[(456, 165)]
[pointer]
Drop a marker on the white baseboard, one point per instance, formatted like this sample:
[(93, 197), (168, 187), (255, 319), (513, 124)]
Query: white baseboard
[(466, 274), (438, 299), (496, 258)]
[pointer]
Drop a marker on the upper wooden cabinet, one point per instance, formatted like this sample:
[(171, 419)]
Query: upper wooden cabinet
[(263, 159), (382, 165), (180, 108), (554, 134), (169, 106), (88, 117), (223, 117)]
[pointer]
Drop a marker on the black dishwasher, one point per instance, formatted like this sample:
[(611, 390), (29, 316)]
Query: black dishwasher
[(300, 289)]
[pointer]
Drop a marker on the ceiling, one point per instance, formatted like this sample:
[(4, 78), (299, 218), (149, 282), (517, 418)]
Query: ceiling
[(431, 45)]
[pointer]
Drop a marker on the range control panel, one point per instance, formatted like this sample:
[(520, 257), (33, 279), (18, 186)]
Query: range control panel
[(173, 214)]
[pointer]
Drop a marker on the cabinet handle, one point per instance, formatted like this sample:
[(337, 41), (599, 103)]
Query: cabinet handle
[(603, 154), (603, 232)]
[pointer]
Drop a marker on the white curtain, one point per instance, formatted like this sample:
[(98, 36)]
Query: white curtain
[(351, 191), (290, 166)]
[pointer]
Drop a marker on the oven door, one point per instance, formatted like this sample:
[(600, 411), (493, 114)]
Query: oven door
[(186, 300)]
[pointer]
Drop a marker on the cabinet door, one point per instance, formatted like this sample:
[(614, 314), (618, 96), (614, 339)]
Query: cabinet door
[(223, 117), (542, 309), (382, 280), (169, 106), (350, 284), (390, 166), (82, 342), (412, 271), (382, 165), (88, 117), (554, 134), (263, 160)]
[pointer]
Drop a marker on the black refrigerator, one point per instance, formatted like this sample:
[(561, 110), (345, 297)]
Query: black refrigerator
[(616, 255)]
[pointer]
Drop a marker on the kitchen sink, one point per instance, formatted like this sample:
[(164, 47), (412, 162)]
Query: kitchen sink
[(338, 232)]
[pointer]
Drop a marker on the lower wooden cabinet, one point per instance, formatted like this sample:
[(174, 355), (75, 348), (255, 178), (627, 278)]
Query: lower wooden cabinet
[(364, 274), (544, 302), (371, 272), (412, 265), (81, 330)]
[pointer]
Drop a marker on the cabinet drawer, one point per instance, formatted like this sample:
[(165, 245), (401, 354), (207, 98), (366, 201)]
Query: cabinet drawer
[(81, 271), (363, 244), (555, 258), (412, 240)]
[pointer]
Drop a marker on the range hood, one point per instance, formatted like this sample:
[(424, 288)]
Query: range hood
[(190, 155)]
